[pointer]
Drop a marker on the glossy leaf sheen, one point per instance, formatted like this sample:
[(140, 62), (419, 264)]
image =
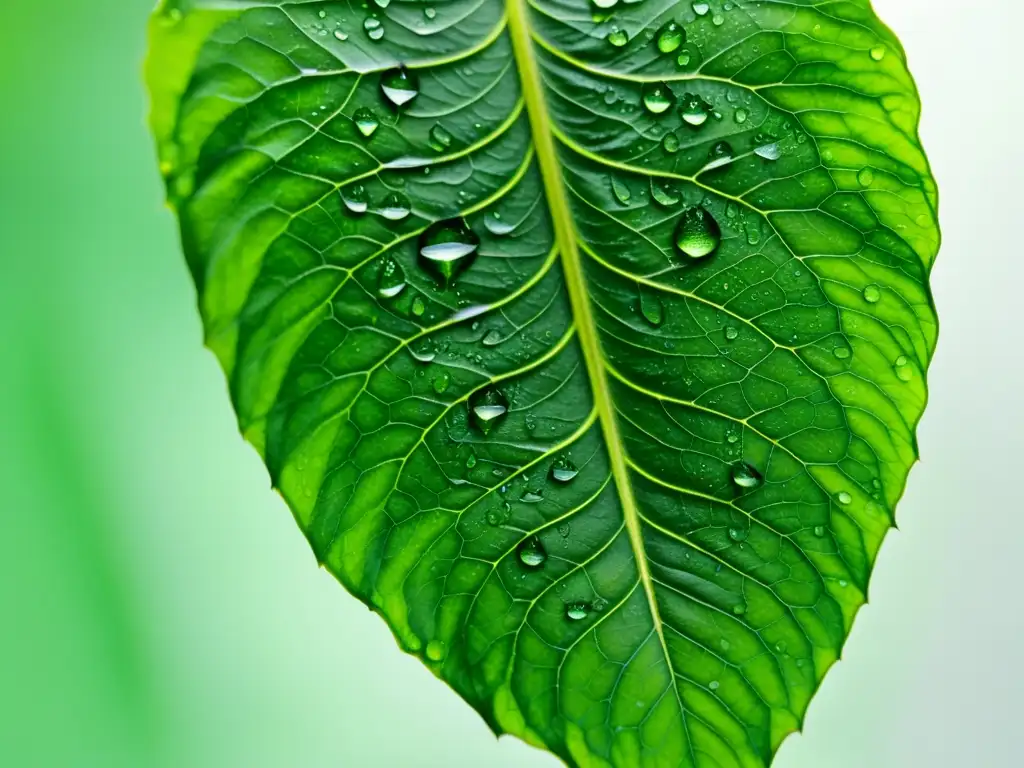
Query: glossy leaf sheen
[(592, 366)]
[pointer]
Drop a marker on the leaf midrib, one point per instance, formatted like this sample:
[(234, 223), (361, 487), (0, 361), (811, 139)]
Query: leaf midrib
[(565, 236)]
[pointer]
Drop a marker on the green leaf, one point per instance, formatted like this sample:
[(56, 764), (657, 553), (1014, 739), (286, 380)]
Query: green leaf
[(586, 343)]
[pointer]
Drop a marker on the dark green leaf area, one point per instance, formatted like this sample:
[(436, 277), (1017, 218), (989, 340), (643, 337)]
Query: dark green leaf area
[(586, 340)]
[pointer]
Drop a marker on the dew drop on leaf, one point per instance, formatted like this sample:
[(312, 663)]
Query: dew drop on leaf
[(878, 53), (440, 139), (694, 110), (670, 143), (488, 409), (373, 28), (903, 369), (731, 333), (497, 226), (391, 280), (577, 611), (844, 498), (872, 294), (605, 4), (355, 199), (651, 308), (819, 531), (657, 98), (698, 234), (441, 382), (436, 650), (418, 306), (394, 207), (770, 151), (739, 534), (701, 9), (865, 177), (532, 553), (719, 155), (448, 248), (663, 194), (366, 122), (399, 86), (618, 38), (620, 190), (563, 470), (745, 476), (740, 116), (670, 37)]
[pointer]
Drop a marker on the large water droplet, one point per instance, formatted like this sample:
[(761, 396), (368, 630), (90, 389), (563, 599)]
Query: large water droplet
[(618, 37), (670, 143), (448, 248), (670, 37), (577, 611), (373, 28), (663, 194), (740, 116), (770, 151), (440, 139), (698, 234), (872, 294), (694, 110), (399, 86), (563, 470), (865, 177), (355, 199), (390, 280), (394, 207), (366, 122), (700, 8), (532, 553), (497, 226), (657, 98), (745, 476), (488, 409), (436, 650)]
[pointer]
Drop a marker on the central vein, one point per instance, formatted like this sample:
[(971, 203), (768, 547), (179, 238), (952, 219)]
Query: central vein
[(565, 235)]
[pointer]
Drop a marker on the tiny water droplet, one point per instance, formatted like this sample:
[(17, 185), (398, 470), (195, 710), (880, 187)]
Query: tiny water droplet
[(698, 234), (532, 553), (713, 685), (355, 199), (563, 470), (819, 531), (781, 646), (745, 476), (903, 369), (418, 306), (841, 353), (683, 59), (440, 139), (341, 36), (739, 609), (448, 248), (865, 177), (488, 409), (471, 461), (739, 534), (872, 294), (731, 333), (671, 37), (670, 143), (577, 611), (844, 498), (441, 382), (391, 280), (399, 86), (740, 116), (657, 98)]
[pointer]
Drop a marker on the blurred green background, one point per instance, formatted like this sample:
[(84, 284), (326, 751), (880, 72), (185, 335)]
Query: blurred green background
[(159, 607)]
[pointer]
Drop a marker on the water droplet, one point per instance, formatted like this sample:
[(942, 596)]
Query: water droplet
[(713, 685), (577, 611), (819, 531), (739, 534), (390, 280), (683, 59), (841, 353), (496, 226), (739, 609), (430, 13), (418, 306), (471, 461), (770, 151), (399, 86), (701, 9), (448, 248), (740, 116), (670, 143), (878, 53), (341, 36), (844, 498), (872, 294), (745, 476), (620, 190), (355, 199), (781, 646), (720, 154), (618, 37), (651, 308), (657, 98), (394, 207), (694, 110), (436, 650), (563, 470), (698, 234), (373, 28), (663, 194), (865, 177), (718, 19), (488, 409), (382, 3), (731, 334), (605, 4), (532, 553), (441, 382), (492, 338), (671, 37), (903, 369), (440, 139)]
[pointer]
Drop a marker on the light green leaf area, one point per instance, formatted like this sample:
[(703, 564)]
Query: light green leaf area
[(585, 340)]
